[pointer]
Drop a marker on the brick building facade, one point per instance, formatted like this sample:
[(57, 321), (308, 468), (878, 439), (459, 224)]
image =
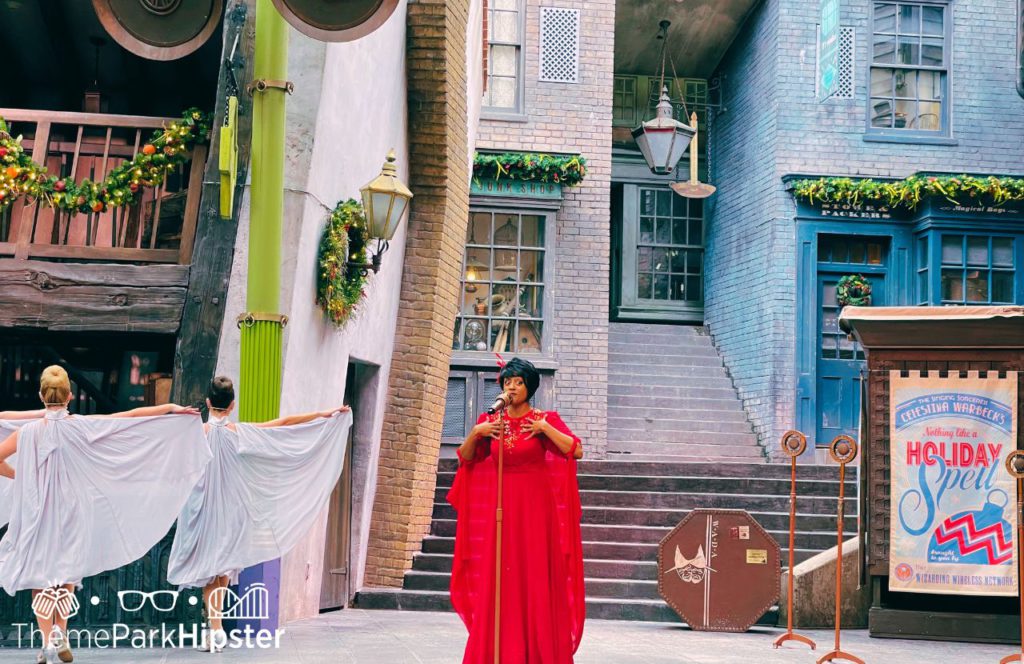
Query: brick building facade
[(774, 127)]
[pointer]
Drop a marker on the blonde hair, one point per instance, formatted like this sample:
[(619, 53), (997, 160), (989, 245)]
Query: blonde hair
[(54, 386)]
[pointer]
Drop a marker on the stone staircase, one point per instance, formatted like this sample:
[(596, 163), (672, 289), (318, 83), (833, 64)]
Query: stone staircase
[(671, 399), (628, 507)]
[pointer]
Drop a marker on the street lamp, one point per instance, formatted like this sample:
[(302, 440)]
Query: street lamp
[(664, 139), (385, 199)]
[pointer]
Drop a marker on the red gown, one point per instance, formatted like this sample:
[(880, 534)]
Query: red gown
[(542, 600)]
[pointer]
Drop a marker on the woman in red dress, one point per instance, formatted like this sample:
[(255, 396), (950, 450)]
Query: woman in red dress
[(542, 601)]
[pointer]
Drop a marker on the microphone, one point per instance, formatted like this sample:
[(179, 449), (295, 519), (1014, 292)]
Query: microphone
[(501, 403)]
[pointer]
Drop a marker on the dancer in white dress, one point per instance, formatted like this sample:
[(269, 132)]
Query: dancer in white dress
[(260, 494), (11, 421), (90, 494)]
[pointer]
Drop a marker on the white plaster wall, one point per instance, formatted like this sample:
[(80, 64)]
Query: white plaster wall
[(474, 72), (348, 110)]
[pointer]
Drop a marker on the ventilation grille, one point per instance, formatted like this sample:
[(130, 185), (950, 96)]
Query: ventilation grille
[(559, 45), (847, 42)]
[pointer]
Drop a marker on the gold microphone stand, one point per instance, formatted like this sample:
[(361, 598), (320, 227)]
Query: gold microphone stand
[(793, 444), (843, 450), (1015, 466), (497, 540)]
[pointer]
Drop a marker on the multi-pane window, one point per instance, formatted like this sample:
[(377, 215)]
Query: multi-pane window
[(670, 247), (977, 269), (688, 95), (504, 32), (909, 67), (624, 100), (922, 270), (503, 283)]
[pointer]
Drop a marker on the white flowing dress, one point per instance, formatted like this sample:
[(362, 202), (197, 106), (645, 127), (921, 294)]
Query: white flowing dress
[(260, 494), (91, 494), (7, 427)]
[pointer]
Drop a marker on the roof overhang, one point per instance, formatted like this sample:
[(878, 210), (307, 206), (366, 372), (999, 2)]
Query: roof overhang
[(935, 327)]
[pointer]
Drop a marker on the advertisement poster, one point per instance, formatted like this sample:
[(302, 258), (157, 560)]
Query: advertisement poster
[(953, 518)]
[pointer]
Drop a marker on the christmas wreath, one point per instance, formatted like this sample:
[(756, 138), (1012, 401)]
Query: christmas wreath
[(166, 150), (853, 290), (340, 286)]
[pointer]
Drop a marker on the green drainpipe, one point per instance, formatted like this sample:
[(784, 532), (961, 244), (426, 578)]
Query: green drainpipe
[(262, 325)]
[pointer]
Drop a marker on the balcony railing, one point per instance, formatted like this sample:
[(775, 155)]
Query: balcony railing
[(159, 228)]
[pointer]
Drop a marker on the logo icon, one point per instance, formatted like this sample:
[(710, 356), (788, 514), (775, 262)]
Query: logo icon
[(254, 604), (134, 600), (904, 572), (55, 600), (693, 569)]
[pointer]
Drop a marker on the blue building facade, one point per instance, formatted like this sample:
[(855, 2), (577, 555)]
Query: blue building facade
[(924, 87)]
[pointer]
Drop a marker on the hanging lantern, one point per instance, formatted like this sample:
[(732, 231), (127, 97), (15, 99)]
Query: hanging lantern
[(664, 139)]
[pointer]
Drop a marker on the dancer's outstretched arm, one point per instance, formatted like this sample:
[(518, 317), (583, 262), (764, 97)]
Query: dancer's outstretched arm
[(152, 411), (289, 420), (7, 448), (22, 414)]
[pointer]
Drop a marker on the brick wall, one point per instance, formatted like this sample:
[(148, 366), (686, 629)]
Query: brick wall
[(774, 126), (574, 118), (743, 243), (439, 177)]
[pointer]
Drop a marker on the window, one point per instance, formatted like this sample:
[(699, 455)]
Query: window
[(504, 60), (503, 283), (470, 392), (670, 247), (624, 100), (922, 270), (977, 269), (909, 68)]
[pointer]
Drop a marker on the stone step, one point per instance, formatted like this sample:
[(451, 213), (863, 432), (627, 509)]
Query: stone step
[(670, 517), (661, 348), (658, 328), (447, 467), (680, 483), (654, 442), (707, 458), (638, 405), (639, 569), (728, 453), (659, 366), (686, 413), (627, 337), (703, 376), (690, 501), (674, 392), (621, 588), (725, 422), (654, 610), (595, 537), (716, 485), (636, 516), (400, 599)]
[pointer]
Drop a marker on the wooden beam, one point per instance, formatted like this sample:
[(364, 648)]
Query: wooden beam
[(195, 358), (92, 297)]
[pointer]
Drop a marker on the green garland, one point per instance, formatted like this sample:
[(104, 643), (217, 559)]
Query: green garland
[(340, 287), (908, 193), (166, 150), (568, 171), (853, 290)]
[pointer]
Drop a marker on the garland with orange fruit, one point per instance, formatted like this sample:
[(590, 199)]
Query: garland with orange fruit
[(165, 151)]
